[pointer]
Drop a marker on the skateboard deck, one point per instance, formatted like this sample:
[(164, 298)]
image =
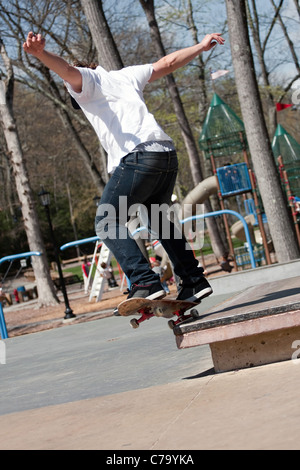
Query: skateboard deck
[(160, 308)]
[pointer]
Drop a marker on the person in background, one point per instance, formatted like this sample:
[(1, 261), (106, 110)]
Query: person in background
[(107, 273)]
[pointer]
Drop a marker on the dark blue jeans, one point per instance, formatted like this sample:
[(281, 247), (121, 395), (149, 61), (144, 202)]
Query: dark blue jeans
[(147, 179)]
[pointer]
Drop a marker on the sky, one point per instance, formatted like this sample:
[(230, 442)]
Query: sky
[(211, 16)]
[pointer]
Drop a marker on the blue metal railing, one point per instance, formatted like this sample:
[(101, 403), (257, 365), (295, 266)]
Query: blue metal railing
[(19, 256), (216, 214), (79, 242), (236, 214)]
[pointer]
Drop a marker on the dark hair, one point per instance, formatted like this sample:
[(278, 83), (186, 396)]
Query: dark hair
[(92, 65)]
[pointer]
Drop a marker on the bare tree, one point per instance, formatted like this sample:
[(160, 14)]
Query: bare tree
[(291, 47), (34, 75), (261, 48), (6, 177), (296, 2), (187, 134), (280, 224), (203, 99), (44, 283), (261, 44)]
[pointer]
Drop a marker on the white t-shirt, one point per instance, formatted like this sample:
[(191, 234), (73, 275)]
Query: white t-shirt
[(113, 103)]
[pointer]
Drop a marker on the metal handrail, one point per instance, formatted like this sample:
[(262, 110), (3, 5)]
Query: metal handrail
[(20, 255), (236, 214)]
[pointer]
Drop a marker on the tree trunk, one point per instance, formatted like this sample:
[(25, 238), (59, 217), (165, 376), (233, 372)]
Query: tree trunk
[(185, 128), (108, 54), (202, 98), (218, 246), (7, 179), (281, 227), (265, 76), (46, 292), (215, 226)]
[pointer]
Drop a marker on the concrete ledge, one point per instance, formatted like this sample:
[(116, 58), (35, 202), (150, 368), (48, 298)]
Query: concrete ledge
[(236, 282), (255, 327), (256, 350), (239, 330)]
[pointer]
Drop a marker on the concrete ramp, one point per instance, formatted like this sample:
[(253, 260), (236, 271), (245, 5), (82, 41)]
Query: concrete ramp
[(258, 326)]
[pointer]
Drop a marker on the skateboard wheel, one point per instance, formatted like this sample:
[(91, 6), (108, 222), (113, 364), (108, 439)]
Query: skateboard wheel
[(134, 323), (171, 324), (194, 313)]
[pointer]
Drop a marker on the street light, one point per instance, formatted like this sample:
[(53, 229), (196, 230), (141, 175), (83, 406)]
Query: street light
[(45, 201)]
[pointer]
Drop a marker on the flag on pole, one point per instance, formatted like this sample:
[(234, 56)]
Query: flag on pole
[(281, 106), (218, 74)]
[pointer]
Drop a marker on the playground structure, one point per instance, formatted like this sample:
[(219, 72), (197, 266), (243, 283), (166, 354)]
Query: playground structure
[(287, 156), (286, 148), (223, 137)]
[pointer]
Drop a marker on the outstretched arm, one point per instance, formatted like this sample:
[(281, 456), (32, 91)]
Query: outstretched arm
[(175, 60), (35, 45)]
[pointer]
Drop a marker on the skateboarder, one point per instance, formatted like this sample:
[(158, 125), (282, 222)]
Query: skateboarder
[(142, 161)]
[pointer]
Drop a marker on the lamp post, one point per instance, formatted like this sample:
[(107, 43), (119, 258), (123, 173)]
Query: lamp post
[(45, 201)]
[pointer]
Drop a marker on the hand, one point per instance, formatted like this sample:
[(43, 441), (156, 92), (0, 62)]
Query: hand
[(211, 40), (34, 44)]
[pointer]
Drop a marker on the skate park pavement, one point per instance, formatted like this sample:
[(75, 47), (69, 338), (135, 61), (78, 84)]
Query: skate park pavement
[(104, 386)]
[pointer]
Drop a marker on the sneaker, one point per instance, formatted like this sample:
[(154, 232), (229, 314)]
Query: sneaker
[(195, 292), (153, 291)]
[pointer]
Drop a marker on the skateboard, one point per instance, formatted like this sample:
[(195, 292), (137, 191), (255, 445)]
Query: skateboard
[(159, 308)]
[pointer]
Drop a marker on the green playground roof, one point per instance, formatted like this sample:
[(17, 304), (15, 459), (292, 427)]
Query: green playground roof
[(223, 132), (286, 146)]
